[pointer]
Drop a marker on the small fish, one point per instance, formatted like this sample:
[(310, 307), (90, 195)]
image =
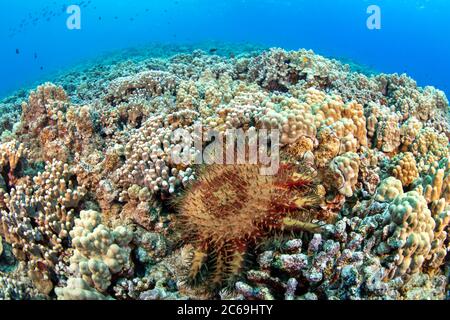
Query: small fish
[(17, 51), (306, 61), (213, 50), (42, 68), (35, 55)]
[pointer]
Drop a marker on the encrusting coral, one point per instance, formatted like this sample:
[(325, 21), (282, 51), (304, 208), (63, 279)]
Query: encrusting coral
[(94, 205)]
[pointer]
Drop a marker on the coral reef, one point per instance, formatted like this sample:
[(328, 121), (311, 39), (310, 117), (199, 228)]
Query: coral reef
[(94, 204)]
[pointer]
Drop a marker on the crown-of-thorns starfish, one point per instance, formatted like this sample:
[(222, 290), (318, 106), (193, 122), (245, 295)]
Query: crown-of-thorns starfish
[(230, 208)]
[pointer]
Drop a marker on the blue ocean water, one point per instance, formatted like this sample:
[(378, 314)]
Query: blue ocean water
[(413, 39)]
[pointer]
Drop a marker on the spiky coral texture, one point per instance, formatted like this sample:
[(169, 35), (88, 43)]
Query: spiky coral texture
[(231, 208)]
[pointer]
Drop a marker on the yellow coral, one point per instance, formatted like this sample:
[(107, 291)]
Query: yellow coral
[(405, 168)]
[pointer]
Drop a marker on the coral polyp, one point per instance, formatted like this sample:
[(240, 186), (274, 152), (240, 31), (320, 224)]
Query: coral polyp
[(233, 207)]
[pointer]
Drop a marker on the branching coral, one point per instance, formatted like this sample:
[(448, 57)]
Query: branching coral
[(38, 218), (148, 154), (17, 285)]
